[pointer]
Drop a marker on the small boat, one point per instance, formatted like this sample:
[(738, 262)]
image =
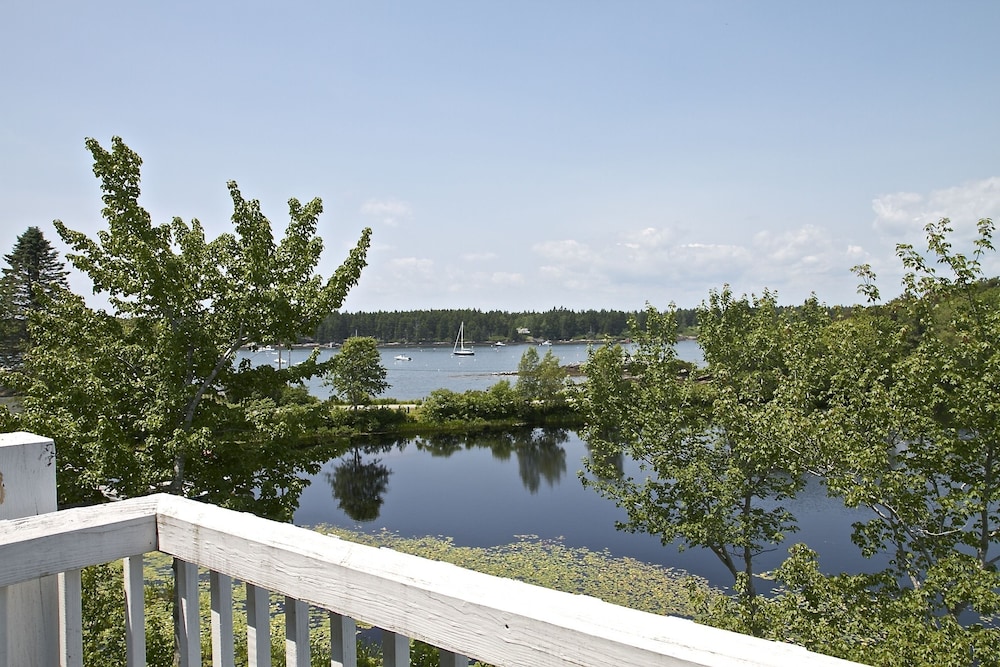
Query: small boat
[(499, 343), (546, 343), (402, 357), (460, 349)]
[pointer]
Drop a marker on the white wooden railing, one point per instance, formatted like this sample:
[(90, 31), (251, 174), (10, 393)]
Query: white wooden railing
[(464, 613)]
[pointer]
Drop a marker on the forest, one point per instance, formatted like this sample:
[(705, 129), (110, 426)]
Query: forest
[(439, 326)]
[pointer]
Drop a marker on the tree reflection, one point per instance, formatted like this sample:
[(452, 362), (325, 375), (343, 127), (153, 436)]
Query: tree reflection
[(502, 444), (540, 455), (442, 444), (359, 486)]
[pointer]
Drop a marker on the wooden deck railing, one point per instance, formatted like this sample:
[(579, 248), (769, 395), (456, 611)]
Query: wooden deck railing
[(466, 614)]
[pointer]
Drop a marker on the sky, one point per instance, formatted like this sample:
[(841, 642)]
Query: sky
[(523, 155)]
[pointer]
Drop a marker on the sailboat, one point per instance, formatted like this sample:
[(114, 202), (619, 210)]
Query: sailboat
[(460, 348)]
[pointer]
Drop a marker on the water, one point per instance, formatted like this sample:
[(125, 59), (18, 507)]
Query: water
[(487, 490), (434, 367)]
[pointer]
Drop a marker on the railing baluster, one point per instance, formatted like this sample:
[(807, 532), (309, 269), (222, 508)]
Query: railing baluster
[(223, 654), (449, 659), (70, 619), (343, 641), (258, 627), (395, 650), (4, 596), (189, 630), (296, 633), (135, 612)]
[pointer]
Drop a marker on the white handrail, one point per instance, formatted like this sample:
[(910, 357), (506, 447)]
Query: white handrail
[(495, 620)]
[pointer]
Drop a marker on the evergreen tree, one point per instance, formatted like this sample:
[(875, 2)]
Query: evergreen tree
[(34, 273)]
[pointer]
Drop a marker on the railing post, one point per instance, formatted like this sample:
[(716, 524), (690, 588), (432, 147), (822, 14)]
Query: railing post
[(343, 641), (258, 626), (70, 618), (449, 659), (395, 649), (27, 488), (186, 615), (222, 619), (135, 612), (296, 633)]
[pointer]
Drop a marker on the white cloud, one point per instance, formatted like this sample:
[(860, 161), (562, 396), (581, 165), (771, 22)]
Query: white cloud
[(505, 279), (655, 264), (807, 247), (626, 267), (404, 268), (566, 251), (479, 256), (388, 211), (648, 238), (902, 216)]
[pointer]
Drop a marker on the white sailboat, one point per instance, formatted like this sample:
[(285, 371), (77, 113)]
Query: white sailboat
[(460, 348)]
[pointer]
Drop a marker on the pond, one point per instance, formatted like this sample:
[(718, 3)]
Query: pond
[(487, 490)]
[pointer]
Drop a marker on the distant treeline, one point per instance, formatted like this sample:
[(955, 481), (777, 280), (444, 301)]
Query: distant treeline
[(433, 326)]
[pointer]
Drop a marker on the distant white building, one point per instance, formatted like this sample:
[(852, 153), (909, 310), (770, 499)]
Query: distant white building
[(524, 331)]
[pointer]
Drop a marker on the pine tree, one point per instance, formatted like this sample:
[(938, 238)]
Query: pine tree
[(34, 272)]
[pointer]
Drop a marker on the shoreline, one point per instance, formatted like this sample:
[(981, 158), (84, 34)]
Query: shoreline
[(539, 342)]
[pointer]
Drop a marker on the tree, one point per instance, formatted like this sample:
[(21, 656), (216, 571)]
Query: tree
[(34, 271), (922, 376), (528, 385), (908, 425), (148, 396), (357, 373), (717, 459), (13, 332), (539, 379), (34, 274)]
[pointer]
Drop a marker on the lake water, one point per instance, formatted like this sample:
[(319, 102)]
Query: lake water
[(434, 367), (487, 490)]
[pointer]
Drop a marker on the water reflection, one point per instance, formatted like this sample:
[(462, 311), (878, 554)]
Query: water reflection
[(359, 479), (539, 452), (486, 489), (360, 486), (540, 455)]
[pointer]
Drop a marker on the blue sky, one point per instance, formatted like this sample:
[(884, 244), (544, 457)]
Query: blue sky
[(525, 155)]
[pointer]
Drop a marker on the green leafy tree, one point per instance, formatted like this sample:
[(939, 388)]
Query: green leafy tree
[(716, 459), (528, 384), (906, 425), (539, 379), (33, 275), (357, 373), (914, 432), (148, 396)]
